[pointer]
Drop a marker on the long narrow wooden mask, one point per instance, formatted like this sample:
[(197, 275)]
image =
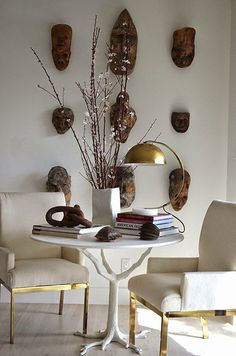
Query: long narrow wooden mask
[(124, 40), (61, 36)]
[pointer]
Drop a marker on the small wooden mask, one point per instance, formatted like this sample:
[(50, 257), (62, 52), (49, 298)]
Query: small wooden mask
[(180, 121), (175, 180), (124, 40), (183, 46), (61, 36), (62, 119), (122, 117)]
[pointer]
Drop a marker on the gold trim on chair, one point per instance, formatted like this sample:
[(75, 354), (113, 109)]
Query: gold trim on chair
[(202, 314), (59, 287)]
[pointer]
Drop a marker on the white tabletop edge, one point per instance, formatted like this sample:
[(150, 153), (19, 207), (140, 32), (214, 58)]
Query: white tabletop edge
[(91, 242)]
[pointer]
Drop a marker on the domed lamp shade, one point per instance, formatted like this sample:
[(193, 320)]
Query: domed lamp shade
[(148, 153)]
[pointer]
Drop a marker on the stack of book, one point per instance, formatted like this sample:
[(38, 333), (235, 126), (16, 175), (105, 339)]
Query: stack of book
[(129, 223), (72, 232)]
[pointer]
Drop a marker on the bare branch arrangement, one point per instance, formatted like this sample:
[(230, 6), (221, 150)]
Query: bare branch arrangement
[(99, 149)]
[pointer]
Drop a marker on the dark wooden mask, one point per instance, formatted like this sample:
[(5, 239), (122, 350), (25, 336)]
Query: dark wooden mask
[(122, 117), (62, 119), (61, 36), (183, 46), (124, 41), (175, 180), (180, 121), (125, 180)]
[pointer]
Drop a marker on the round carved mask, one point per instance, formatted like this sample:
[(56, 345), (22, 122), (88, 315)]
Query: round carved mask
[(180, 121), (62, 119)]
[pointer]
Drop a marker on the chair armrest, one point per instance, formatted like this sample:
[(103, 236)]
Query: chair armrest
[(172, 265), (72, 255), (7, 262), (208, 290)]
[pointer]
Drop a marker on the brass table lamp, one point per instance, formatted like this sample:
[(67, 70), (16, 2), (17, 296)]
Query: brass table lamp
[(148, 153)]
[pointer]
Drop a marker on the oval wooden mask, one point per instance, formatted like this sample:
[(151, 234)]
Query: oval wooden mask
[(183, 46), (61, 35), (62, 119), (124, 40), (122, 117), (175, 180)]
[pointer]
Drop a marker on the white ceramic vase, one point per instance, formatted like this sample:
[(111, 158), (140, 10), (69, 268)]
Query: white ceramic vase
[(105, 205)]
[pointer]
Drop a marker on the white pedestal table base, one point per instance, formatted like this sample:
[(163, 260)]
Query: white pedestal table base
[(112, 332)]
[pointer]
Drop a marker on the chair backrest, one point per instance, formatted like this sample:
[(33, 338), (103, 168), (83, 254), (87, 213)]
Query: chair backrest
[(217, 246), (18, 213)]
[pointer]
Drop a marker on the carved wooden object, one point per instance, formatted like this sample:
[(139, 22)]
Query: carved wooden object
[(62, 119), (149, 231), (61, 35), (183, 46), (126, 182), (175, 180), (59, 181), (72, 216), (122, 117), (180, 121), (107, 234), (124, 40)]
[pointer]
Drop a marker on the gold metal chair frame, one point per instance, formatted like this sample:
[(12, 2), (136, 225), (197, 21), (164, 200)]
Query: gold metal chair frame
[(202, 314), (60, 287)]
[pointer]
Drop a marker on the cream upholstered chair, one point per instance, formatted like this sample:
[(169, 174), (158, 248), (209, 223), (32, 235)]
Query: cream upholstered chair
[(30, 266), (195, 287)]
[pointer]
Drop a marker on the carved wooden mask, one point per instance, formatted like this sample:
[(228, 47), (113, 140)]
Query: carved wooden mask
[(180, 121), (59, 181), (124, 41), (62, 119), (122, 117), (175, 180), (126, 182), (61, 36), (183, 46)]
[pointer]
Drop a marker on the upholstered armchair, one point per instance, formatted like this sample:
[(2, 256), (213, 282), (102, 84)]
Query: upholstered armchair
[(192, 287), (28, 266)]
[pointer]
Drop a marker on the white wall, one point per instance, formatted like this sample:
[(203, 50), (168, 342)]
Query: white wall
[(30, 146), (231, 187)]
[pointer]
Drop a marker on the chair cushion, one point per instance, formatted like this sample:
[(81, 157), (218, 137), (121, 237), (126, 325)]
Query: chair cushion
[(162, 290), (46, 271)]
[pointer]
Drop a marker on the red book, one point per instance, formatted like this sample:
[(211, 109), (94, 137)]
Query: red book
[(143, 221), (130, 216)]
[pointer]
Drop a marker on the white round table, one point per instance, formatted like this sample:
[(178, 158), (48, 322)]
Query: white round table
[(112, 332)]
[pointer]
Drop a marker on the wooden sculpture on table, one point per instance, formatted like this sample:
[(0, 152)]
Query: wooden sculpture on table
[(180, 121), (59, 181), (122, 117), (61, 36), (175, 180), (71, 216), (183, 49), (124, 40)]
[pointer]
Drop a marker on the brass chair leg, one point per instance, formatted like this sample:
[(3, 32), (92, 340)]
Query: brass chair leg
[(12, 317), (204, 328), (164, 332), (86, 302), (61, 303), (132, 315)]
